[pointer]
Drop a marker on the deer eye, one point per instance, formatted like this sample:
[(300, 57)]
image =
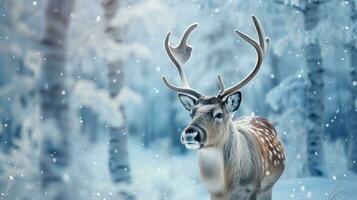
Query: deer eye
[(218, 116)]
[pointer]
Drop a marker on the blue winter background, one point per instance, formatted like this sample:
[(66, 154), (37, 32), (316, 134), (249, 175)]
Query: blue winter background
[(85, 114)]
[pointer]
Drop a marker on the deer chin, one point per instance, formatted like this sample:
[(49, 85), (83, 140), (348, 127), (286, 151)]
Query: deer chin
[(193, 145)]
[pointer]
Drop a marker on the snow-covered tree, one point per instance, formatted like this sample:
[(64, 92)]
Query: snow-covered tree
[(314, 95), (352, 128), (19, 67), (118, 138), (55, 107)]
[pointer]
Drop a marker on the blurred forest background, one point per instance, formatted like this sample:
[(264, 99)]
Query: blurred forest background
[(85, 115)]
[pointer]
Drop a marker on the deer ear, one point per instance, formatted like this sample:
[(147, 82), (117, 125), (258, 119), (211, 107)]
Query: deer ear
[(187, 101), (232, 102)]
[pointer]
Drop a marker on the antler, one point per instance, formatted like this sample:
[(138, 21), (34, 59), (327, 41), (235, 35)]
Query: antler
[(179, 55), (261, 50)]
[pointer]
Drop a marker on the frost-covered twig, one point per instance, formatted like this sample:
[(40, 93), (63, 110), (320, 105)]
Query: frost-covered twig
[(334, 193)]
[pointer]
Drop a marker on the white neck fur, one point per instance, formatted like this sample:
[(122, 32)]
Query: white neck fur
[(213, 161)]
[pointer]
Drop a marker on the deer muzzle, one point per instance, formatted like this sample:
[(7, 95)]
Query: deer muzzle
[(192, 137)]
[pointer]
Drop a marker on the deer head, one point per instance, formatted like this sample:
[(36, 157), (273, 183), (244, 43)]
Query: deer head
[(210, 115)]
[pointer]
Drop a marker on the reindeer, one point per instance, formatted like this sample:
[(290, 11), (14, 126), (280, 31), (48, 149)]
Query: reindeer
[(240, 159)]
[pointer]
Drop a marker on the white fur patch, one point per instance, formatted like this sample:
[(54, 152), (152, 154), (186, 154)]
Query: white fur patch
[(270, 155), (211, 166), (192, 146), (274, 152)]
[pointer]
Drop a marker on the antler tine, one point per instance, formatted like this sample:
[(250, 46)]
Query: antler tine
[(260, 31), (187, 33), (179, 55), (173, 59), (221, 84), (261, 52), (266, 50), (261, 36)]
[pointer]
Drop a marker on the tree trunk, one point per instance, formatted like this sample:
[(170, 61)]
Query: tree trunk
[(118, 149), (314, 95), (89, 124), (275, 80), (352, 128), (55, 150)]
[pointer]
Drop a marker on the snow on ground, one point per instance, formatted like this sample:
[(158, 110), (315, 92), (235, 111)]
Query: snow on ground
[(157, 175), (315, 189)]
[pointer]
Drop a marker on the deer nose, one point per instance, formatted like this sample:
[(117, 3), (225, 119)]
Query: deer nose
[(191, 135)]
